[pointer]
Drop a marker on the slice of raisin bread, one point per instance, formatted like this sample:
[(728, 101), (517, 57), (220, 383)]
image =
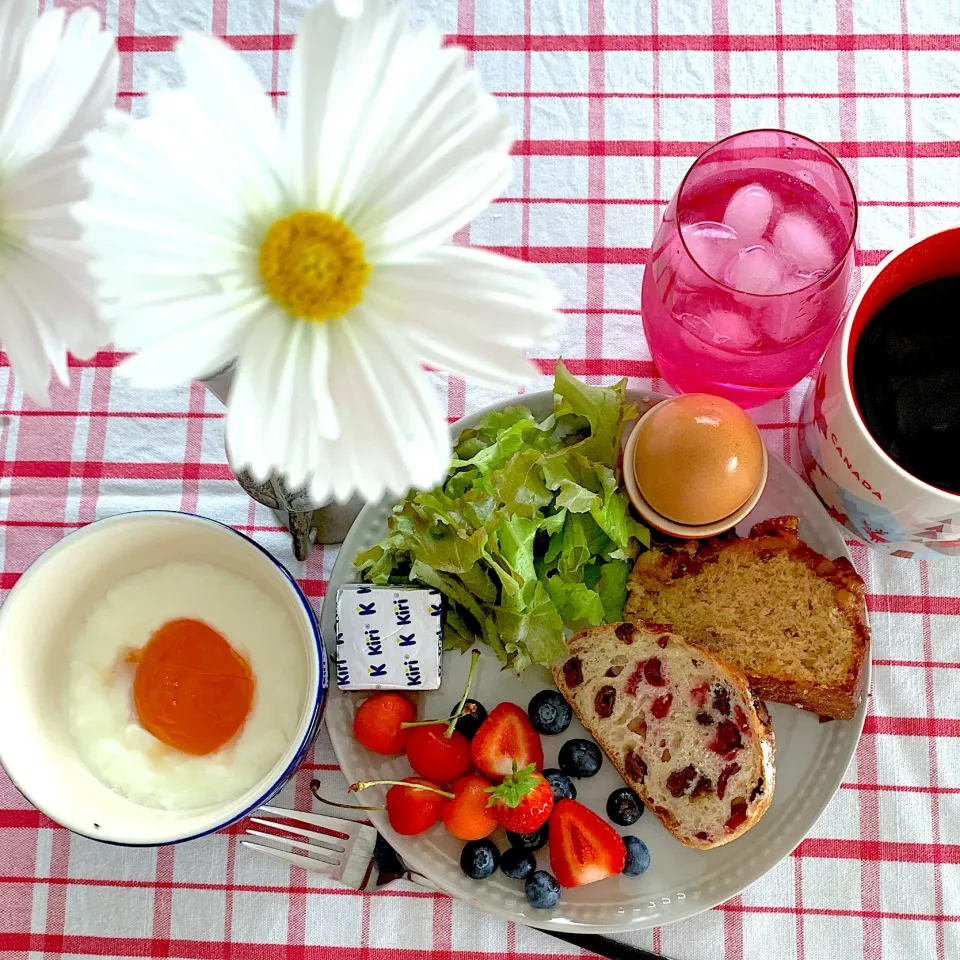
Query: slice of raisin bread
[(681, 726), (794, 621)]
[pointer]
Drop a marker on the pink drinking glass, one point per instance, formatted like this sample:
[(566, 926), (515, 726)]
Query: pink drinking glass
[(749, 272)]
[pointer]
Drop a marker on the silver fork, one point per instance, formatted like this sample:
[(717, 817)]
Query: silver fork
[(339, 849), (350, 860)]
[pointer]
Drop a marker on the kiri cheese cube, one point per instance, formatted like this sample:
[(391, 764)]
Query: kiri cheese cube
[(388, 638)]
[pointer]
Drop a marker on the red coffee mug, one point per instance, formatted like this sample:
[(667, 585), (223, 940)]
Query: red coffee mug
[(859, 483)]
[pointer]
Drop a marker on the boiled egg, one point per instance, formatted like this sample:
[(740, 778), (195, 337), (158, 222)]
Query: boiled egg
[(698, 458), (185, 686), (191, 689)]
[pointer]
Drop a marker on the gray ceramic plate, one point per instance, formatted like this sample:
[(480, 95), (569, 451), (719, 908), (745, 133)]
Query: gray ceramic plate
[(811, 760)]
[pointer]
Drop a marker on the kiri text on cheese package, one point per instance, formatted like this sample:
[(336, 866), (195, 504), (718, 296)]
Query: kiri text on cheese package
[(388, 638)]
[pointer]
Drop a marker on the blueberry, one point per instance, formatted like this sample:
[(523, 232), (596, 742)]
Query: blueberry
[(624, 807), (549, 712), (518, 864), (469, 723), (542, 890), (530, 841), (562, 786), (580, 758), (479, 858), (638, 857)]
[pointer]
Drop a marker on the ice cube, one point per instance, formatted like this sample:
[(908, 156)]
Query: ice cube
[(797, 281), (787, 321), (711, 244), (730, 330), (749, 212), (721, 328), (755, 269), (803, 245)]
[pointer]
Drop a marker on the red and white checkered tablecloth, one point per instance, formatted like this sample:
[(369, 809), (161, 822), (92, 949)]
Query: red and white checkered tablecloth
[(612, 101)]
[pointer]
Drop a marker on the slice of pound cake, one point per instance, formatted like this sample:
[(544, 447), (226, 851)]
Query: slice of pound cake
[(794, 621), (681, 726)]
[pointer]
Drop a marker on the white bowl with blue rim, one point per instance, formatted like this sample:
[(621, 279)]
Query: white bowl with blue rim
[(38, 620)]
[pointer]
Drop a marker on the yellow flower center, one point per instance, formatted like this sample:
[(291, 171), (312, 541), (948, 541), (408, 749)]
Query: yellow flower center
[(312, 264)]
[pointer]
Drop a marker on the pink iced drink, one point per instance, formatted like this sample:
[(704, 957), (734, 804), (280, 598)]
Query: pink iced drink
[(745, 284)]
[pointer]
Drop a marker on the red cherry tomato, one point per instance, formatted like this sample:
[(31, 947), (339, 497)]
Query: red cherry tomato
[(433, 755), (412, 811), (467, 816), (376, 725)]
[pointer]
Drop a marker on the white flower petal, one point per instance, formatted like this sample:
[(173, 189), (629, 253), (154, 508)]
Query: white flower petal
[(251, 396), (57, 82), (157, 266), (170, 161), (230, 313), (469, 311), (313, 444), (367, 452), (67, 82), (165, 244), (283, 353), (26, 340), (61, 301), (310, 100), (393, 428), (297, 446), (181, 200), (516, 301), (36, 176), (477, 359), (349, 8), (41, 46), (126, 298), (318, 372), (37, 201), (439, 193), (423, 412), (277, 356), (191, 353), (229, 95), (95, 70), (191, 203), (389, 131), (392, 434), (16, 19)]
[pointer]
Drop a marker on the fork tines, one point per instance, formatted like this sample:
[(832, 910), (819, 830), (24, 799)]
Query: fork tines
[(339, 849)]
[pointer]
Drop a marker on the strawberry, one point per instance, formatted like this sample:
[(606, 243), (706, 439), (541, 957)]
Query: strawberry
[(583, 847), (523, 802), (505, 741)]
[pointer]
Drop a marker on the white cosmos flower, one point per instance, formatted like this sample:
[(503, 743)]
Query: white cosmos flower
[(58, 78), (311, 251)]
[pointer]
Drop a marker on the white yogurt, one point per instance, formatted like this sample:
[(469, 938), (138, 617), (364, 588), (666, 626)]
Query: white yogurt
[(99, 703)]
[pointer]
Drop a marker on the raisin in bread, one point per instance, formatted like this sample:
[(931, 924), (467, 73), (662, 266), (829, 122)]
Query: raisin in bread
[(681, 726), (792, 620)]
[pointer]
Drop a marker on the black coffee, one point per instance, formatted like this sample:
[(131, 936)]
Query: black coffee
[(906, 379)]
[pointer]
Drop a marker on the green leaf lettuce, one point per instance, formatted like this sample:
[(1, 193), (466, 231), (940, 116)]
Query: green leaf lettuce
[(530, 532)]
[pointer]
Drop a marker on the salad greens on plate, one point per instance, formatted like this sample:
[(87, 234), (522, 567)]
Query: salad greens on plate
[(529, 533)]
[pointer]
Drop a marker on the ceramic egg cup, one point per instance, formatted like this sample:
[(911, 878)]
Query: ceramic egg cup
[(670, 527)]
